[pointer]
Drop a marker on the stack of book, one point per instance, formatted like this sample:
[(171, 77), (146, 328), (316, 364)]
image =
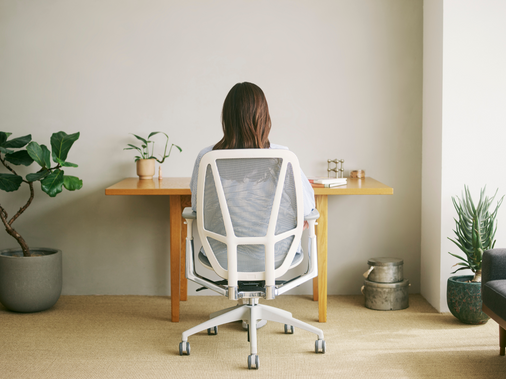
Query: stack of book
[(327, 182)]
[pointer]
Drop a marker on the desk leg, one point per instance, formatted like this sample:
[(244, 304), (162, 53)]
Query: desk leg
[(175, 255), (185, 202), (320, 283)]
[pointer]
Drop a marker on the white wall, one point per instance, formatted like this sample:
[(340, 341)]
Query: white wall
[(469, 125), (343, 80), (432, 150)]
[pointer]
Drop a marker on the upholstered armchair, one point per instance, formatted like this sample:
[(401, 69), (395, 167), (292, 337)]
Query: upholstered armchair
[(493, 288)]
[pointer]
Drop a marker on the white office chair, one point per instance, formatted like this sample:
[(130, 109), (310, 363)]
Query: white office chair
[(250, 222)]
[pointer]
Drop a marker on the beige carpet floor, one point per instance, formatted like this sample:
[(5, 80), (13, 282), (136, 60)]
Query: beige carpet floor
[(132, 337)]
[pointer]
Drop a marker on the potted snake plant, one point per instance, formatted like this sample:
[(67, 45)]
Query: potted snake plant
[(475, 231), (31, 277)]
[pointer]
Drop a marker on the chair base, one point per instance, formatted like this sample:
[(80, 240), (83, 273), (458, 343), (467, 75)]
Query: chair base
[(260, 324), (251, 314)]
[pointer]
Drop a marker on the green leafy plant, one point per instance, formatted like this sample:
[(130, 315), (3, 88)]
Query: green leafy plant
[(52, 179), (144, 150), (475, 230)]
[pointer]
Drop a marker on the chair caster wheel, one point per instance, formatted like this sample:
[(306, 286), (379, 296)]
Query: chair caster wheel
[(184, 348), (319, 346), (212, 331), (288, 329), (253, 361)]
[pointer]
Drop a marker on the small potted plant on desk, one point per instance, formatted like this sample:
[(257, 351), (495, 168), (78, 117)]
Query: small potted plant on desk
[(475, 230), (145, 162), (31, 278)]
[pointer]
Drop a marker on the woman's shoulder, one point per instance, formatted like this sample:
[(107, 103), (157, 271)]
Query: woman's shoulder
[(205, 150), (202, 152), (210, 148)]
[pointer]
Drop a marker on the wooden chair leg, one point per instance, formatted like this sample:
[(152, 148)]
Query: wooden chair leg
[(502, 340)]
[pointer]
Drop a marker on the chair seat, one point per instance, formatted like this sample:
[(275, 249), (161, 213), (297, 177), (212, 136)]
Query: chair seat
[(494, 295), (297, 259)]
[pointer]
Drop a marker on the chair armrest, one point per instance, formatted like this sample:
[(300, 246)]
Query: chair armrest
[(493, 265), (314, 215), (311, 220), (188, 213)]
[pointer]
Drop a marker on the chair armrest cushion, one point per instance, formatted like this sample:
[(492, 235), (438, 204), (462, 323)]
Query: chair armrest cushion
[(188, 213), (493, 282), (494, 296)]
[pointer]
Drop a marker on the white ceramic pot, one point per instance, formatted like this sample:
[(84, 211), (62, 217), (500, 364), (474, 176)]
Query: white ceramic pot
[(145, 168)]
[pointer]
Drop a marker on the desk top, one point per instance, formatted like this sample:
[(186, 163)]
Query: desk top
[(135, 186), (365, 186), (181, 186)]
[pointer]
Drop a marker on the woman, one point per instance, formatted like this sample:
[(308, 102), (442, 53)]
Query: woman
[(246, 125)]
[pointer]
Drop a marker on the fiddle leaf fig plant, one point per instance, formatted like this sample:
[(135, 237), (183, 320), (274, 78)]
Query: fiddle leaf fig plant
[(52, 179), (475, 230), (145, 147)]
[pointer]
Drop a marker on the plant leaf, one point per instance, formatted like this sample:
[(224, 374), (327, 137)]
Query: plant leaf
[(140, 138), (63, 163), (3, 137), (461, 247), (6, 151), (19, 142), (53, 183), (462, 268), (69, 164), (40, 154), (461, 264), (133, 147), (46, 155), (458, 256), (72, 183), (10, 182), (38, 175), (61, 143), (155, 133), (20, 157)]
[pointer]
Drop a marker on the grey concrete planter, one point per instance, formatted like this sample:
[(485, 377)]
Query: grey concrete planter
[(30, 284)]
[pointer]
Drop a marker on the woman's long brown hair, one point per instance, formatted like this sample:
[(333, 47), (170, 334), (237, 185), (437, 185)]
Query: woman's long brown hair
[(245, 119)]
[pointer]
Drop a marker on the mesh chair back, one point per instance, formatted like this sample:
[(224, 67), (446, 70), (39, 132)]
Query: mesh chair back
[(249, 211)]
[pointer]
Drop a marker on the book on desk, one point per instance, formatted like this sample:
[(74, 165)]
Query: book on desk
[(325, 182)]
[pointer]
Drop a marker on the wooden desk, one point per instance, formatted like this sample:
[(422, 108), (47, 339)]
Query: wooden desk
[(178, 190), (180, 197), (366, 186)]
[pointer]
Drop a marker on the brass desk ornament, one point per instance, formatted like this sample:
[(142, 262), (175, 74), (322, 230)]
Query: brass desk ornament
[(338, 170)]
